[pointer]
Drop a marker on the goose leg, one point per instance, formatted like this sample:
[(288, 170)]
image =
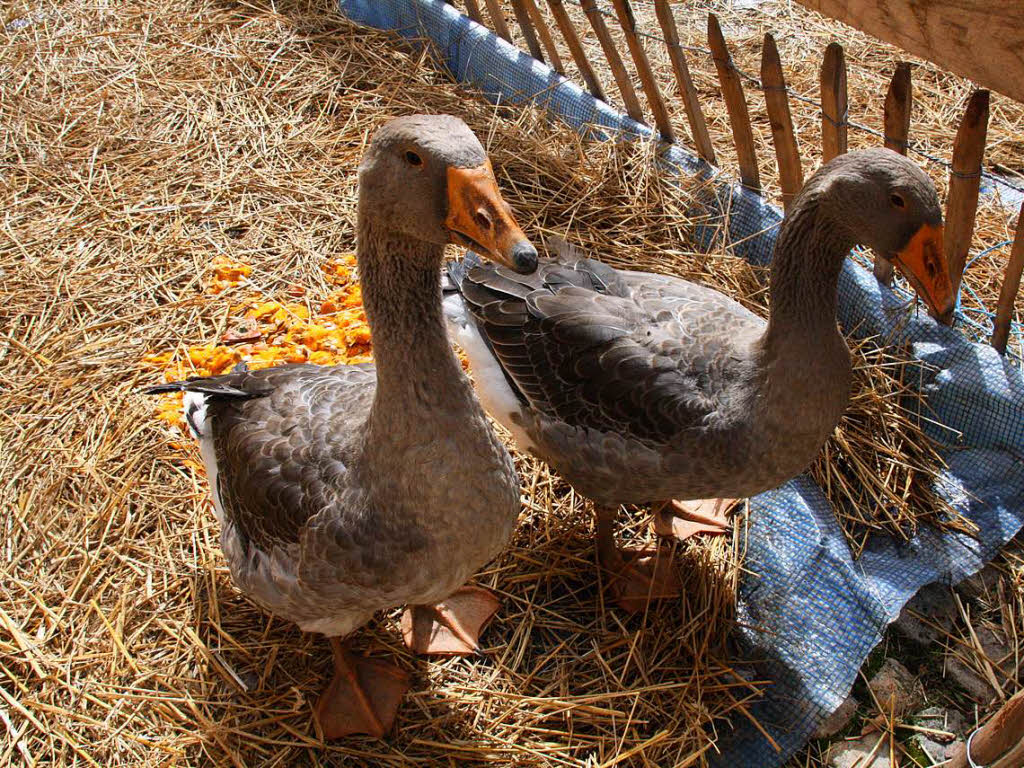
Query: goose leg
[(683, 519), (452, 626), (637, 576), (362, 697)]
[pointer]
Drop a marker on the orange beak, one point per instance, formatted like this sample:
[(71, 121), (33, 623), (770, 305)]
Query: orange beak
[(923, 264), (479, 219)]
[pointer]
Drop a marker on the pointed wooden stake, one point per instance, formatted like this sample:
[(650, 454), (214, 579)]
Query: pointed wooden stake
[(1010, 287), (541, 25), (791, 176), (473, 11), (898, 102), (526, 25), (611, 53), (964, 183), (643, 68), (687, 91), (834, 103), (576, 48), (736, 104), (498, 20)]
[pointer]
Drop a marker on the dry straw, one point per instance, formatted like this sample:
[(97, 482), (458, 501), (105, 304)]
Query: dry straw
[(139, 142)]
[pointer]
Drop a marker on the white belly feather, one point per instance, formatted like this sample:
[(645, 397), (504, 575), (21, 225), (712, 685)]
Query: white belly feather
[(194, 406), (496, 396)]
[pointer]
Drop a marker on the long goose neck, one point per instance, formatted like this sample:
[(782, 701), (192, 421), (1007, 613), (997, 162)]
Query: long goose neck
[(803, 360), (416, 367), (809, 255)]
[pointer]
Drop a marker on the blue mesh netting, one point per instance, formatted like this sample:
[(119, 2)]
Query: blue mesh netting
[(817, 612)]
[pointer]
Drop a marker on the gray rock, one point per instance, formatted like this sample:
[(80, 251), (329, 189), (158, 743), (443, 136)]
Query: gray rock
[(977, 683), (936, 603), (942, 719), (982, 583), (835, 722), (895, 688), (937, 746), (847, 754), (976, 686)]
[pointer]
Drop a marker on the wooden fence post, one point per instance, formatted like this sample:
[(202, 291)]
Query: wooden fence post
[(1009, 289), (739, 117), (498, 20), (576, 48), (964, 183), (611, 53), (643, 68), (834, 103), (791, 176), (687, 91), (899, 100), (998, 744), (526, 25), (546, 40), (473, 11)]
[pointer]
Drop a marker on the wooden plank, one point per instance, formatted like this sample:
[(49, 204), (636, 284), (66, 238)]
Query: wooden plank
[(526, 26), (834, 102), (643, 68), (898, 103), (687, 90), (611, 53), (736, 104), (1010, 288), (791, 176), (498, 20), (544, 33), (576, 48), (964, 183), (979, 39)]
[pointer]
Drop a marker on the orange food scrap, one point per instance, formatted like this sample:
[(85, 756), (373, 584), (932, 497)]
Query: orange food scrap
[(213, 360), (168, 410), (339, 270), (227, 273), (157, 359), (265, 332)]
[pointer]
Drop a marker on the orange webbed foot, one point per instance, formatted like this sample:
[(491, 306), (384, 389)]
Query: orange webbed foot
[(682, 519), (640, 576), (452, 627), (362, 697)]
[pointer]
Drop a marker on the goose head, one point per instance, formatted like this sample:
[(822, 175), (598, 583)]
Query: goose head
[(428, 178), (886, 202)]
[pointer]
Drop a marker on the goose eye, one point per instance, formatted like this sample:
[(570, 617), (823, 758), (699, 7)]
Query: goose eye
[(413, 159), (897, 200)]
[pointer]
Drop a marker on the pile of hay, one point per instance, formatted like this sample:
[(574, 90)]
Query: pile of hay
[(178, 194)]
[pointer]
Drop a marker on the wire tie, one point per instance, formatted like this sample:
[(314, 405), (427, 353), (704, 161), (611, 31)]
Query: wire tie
[(843, 121), (967, 749), (961, 175)]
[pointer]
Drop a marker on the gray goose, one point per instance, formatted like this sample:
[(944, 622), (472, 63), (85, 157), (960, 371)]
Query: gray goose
[(641, 388), (345, 490)]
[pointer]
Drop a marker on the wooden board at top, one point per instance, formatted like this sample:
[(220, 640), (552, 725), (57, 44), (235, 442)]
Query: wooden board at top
[(979, 39)]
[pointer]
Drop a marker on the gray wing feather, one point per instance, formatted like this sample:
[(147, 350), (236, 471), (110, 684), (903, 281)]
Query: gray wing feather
[(644, 356)]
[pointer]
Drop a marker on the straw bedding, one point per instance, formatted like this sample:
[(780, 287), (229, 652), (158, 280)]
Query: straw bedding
[(178, 192)]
